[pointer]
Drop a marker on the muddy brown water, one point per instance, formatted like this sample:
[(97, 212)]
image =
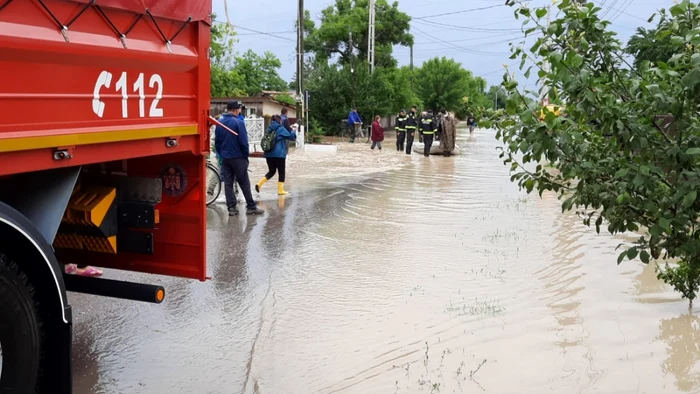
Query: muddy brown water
[(395, 274)]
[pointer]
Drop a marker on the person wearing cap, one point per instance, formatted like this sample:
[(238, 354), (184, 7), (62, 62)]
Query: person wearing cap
[(428, 128), (401, 130), (355, 124), (234, 151), (411, 128)]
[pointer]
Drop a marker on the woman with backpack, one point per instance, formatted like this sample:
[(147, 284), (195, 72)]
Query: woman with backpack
[(274, 144)]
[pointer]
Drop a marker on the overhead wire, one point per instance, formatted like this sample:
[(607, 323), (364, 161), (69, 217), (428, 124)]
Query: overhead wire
[(461, 12), (274, 35), (456, 47), (464, 28), (622, 9)]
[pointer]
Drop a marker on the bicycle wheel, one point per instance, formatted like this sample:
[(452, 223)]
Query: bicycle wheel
[(213, 183)]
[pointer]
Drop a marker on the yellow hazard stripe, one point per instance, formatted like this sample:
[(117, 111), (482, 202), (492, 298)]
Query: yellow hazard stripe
[(55, 141)]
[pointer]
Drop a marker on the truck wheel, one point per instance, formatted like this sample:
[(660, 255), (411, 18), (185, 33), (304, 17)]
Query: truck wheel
[(20, 331)]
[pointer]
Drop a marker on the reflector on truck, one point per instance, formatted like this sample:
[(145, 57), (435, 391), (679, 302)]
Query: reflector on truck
[(90, 221)]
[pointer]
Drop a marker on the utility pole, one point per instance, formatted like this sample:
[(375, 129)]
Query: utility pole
[(300, 61), (352, 68), (411, 66), (371, 35)]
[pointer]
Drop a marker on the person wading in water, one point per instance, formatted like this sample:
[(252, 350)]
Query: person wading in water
[(449, 133), (277, 156)]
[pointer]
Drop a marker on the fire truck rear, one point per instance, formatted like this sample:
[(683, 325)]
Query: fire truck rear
[(103, 137)]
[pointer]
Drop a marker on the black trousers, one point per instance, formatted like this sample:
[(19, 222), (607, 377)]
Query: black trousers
[(428, 140), (275, 164), (400, 140), (236, 170), (410, 136)]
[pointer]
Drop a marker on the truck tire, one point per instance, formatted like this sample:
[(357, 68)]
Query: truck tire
[(20, 331)]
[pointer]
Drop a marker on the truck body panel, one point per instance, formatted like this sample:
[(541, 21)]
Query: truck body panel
[(122, 87)]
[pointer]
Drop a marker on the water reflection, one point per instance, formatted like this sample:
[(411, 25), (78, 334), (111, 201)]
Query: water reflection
[(682, 337)]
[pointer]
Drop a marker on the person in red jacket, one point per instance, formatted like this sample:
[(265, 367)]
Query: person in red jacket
[(377, 134)]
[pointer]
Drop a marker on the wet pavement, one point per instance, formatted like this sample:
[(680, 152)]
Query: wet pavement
[(387, 273)]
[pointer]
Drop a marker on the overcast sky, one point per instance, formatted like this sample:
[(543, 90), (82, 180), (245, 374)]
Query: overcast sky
[(482, 48)]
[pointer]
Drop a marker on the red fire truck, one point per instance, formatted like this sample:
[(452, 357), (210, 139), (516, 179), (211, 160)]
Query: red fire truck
[(104, 110)]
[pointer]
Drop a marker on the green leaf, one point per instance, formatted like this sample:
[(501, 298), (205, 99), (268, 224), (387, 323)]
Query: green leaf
[(693, 151), (621, 257), (665, 224), (632, 253), (644, 256), (651, 18), (566, 206), (677, 41), (691, 79), (689, 199), (598, 223), (541, 12), (623, 198), (622, 173), (644, 170), (695, 59)]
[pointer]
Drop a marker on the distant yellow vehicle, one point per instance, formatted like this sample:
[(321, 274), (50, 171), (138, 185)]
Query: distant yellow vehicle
[(556, 109)]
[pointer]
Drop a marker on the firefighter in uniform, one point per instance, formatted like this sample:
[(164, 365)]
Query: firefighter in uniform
[(411, 128), (401, 130), (428, 128)]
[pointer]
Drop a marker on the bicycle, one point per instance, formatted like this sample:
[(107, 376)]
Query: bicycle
[(346, 133), (213, 182)]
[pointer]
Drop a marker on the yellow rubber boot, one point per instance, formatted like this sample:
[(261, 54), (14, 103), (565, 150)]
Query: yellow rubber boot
[(260, 184), (280, 189)]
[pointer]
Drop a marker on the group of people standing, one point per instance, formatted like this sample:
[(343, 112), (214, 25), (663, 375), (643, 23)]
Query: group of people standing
[(442, 128), (232, 147), (430, 128)]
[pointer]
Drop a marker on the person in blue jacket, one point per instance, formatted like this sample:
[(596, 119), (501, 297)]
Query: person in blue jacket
[(234, 151), (240, 116), (354, 124), (277, 157)]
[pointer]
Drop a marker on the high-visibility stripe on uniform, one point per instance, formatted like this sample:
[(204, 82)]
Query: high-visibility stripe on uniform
[(428, 122)]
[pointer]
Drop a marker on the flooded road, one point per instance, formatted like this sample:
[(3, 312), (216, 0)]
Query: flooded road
[(397, 274)]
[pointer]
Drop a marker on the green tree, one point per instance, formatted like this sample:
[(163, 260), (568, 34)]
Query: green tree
[(498, 95), (331, 38), (225, 82), (650, 45), (443, 83), (259, 72), (616, 163)]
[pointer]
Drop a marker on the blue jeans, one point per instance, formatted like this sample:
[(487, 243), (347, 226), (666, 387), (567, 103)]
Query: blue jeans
[(236, 170)]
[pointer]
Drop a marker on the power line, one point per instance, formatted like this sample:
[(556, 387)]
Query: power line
[(270, 32), (257, 31), (625, 13), (461, 12), (507, 34), (623, 8), (457, 47), (467, 28), (610, 7)]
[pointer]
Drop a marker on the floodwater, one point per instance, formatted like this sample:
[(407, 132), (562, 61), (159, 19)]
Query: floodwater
[(384, 273)]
